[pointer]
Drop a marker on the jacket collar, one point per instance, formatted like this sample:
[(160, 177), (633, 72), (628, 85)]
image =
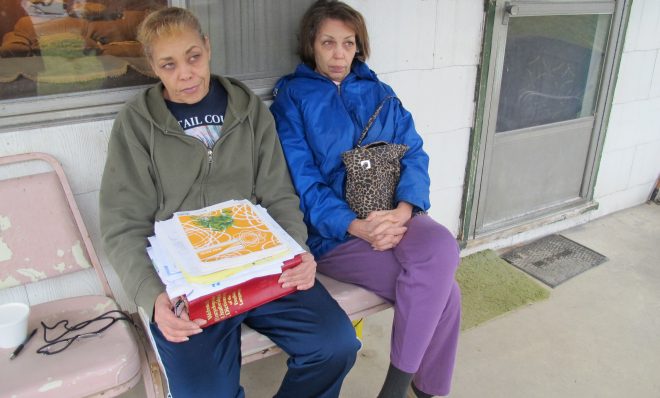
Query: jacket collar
[(359, 71)]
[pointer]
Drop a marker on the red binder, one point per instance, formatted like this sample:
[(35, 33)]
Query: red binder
[(234, 300)]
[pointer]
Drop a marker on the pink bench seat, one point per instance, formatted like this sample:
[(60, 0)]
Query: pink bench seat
[(107, 364)]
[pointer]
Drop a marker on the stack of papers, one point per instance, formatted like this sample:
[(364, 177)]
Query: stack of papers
[(204, 251)]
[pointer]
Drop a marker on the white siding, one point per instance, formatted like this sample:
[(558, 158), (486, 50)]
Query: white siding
[(401, 33), (635, 76), (428, 51), (631, 156)]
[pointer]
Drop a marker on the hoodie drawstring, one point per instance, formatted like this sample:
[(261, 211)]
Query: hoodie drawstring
[(254, 161)]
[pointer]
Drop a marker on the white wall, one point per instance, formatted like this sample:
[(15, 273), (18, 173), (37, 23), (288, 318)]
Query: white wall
[(428, 51), (631, 155)]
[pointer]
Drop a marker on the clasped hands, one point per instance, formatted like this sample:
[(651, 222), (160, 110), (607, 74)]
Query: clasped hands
[(178, 329), (383, 229)]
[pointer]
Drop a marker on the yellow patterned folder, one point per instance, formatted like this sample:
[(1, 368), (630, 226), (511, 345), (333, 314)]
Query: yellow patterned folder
[(221, 237), (227, 233)]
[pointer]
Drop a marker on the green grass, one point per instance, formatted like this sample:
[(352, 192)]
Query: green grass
[(491, 287)]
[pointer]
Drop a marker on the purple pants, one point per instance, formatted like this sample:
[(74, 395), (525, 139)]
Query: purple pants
[(418, 277)]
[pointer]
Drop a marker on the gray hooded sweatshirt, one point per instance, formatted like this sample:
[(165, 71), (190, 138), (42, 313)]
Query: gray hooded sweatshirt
[(154, 169)]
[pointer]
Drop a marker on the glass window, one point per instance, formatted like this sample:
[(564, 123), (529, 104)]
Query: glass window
[(55, 47), (76, 59), (552, 68)]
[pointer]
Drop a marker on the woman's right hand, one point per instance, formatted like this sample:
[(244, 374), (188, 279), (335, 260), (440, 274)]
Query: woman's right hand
[(381, 233), (174, 329)]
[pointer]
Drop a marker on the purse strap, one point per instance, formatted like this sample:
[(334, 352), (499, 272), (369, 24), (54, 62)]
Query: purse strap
[(372, 119)]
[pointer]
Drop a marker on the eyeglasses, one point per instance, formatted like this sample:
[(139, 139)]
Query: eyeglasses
[(64, 340)]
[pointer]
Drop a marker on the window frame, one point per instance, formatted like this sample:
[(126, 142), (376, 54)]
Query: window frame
[(57, 109)]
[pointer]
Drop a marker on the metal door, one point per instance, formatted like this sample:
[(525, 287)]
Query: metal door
[(546, 72)]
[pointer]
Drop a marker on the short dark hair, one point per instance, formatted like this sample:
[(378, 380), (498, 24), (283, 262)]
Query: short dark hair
[(329, 9)]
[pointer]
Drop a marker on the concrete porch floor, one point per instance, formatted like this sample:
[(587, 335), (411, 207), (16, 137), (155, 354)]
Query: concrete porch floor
[(598, 335)]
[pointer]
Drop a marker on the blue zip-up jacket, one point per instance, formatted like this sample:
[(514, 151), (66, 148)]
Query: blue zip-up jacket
[(317, 120)]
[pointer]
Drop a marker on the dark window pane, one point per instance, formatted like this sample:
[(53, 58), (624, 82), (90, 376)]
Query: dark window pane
[(552, 67)]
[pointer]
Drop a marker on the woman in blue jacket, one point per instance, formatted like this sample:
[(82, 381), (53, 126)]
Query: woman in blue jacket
[(400, 254)]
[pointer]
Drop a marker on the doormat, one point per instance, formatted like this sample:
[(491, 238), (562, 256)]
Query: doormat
[(553, 259), (491, 287)]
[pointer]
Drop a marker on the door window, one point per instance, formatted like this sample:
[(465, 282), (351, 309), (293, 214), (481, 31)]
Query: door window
[(552, 68)]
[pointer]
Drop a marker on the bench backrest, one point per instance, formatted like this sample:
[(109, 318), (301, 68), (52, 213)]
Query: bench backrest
[(42, 234)]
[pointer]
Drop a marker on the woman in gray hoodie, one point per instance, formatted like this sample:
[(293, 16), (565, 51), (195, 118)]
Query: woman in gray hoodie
[(191, 141)]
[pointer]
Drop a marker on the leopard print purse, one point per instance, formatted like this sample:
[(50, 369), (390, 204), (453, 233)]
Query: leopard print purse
[(372, 172)]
